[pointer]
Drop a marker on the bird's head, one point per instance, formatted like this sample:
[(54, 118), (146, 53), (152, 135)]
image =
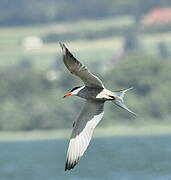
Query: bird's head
[(74, 91)]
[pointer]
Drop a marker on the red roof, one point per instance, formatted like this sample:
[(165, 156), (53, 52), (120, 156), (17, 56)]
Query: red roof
[(158, 16)]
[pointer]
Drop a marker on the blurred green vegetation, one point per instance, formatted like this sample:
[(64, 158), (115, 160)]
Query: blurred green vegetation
[(32, 99), (150, 77), (48, 11)]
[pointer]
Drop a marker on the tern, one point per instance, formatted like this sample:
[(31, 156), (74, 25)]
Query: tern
[(96, 95)]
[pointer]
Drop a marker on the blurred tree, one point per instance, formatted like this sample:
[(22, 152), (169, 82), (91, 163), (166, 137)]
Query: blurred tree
[(131, 41), (163, 50), (20, 12), (25, 63)]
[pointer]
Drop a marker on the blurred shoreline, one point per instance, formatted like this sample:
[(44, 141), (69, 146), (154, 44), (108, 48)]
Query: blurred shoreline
[(112, 131)]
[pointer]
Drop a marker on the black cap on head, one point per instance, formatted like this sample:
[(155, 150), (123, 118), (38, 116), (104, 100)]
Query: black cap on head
[(75, 88)]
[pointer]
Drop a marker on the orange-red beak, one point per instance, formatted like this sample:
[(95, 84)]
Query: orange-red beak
[(68, 94)]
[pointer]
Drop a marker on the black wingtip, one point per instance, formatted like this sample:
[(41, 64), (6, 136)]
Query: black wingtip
[(61, 44), (64, 48), (70, 165), (66, 168), (67, 165)]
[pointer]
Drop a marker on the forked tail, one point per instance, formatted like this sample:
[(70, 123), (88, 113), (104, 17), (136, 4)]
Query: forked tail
[(119, 95)]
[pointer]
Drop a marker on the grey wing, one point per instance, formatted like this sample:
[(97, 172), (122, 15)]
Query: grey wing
[(79, 69), (82, 132)]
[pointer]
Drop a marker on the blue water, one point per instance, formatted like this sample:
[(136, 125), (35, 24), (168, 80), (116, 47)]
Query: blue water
[(118, 158)]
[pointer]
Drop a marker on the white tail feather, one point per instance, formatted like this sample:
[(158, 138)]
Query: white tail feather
[(119, 99)]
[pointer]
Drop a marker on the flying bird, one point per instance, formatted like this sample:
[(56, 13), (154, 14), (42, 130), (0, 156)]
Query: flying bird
[(96, 95)]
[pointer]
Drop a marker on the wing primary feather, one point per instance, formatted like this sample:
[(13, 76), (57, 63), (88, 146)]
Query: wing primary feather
[(82, 132), (79, 69)]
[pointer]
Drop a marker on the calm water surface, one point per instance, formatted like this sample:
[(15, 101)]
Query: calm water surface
[(117, 158)]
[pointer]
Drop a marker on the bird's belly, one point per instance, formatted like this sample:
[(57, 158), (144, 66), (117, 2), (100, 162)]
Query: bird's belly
[(100, 95), (90, 93), (89, 97)]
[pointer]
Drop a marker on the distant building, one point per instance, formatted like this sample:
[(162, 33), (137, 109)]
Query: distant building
[(158, 16), (32, 43)]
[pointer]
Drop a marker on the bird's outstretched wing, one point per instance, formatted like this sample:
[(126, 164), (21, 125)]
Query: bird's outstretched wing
[(79, 69), (82, 132)]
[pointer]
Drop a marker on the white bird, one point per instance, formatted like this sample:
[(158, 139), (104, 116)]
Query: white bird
[(95, 94)]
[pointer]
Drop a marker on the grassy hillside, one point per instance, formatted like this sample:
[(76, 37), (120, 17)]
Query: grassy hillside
[(12, 50)]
